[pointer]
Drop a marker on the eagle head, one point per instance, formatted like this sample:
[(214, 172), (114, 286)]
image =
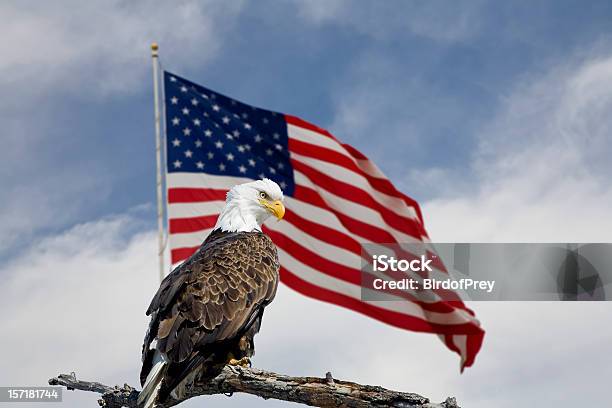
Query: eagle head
[(248, 205)]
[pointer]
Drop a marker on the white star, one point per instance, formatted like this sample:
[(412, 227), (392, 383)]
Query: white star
[(258, 139), (183, 88), (272, 170), (213, 96), (247, 126), (230, 157), (198, 143), (205, 114), (251, 162), (177, 164), (278, 147), (200, 165), (241, 149), (185, 111), (236, 116), (186, 131), (269, 152), (247, 146), (219, 144), (174, 100), (222, 167), (210, 155), (226, 120), (204, 96), (276, 135), (236, 133), (261, 175), (208, 133), (175, 121), (244, 116), (233, 102), (283, 185), (280, 165), (172, 79), (215, 107), (216, 125), (194, 102), (188, 153), (242, 169), (196, 122), (265, 120), (176, 143), (229, 137)]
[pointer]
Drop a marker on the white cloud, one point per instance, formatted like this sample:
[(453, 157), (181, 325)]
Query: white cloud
[(437, 20), (542, 167), (105, 44)]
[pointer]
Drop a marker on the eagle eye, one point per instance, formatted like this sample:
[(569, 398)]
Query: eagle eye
[(263, 195)]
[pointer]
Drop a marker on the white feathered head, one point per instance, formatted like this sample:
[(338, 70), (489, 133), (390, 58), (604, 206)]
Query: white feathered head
[(249, 205)]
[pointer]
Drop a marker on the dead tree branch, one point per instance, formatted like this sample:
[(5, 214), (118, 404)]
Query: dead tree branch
[(314, 391)]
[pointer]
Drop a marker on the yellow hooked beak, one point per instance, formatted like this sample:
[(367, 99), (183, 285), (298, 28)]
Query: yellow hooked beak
[(277, 208)]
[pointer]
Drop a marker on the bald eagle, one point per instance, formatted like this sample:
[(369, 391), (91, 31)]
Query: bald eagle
[(208, 310)]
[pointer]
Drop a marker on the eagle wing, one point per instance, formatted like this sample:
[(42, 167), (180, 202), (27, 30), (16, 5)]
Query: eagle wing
[(212, 296)]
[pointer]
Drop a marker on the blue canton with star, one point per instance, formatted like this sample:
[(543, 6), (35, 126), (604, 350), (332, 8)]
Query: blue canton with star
[(210, 133)]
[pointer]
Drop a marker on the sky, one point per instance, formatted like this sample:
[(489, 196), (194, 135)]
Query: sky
[(493, 115)]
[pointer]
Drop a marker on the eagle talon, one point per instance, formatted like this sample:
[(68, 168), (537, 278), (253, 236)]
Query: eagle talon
[(243, 362)]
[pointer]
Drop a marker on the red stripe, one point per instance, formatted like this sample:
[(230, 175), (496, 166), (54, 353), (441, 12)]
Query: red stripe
[(314, 260), (339, 271), (349, 192), (180, 254), (192, 224), (397, 319), (409, 201), (474, 333), (194, 195), (354, 152), (359, 228), (295, 121), (382, 185), (473, 345), (323, 233)]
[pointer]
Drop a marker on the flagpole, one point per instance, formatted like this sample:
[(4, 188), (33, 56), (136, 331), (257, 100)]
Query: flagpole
[(160, 205)]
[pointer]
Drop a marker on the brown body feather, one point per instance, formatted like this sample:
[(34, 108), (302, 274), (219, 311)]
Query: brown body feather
[(211, 306)]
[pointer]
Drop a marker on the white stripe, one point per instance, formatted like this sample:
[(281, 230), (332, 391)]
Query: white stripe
[(370, 168), (324, 249), (203, 180), (204, 234), (357, 211), (315, 138), (393, 204), (198, 209), (188, 239), (403, 306)]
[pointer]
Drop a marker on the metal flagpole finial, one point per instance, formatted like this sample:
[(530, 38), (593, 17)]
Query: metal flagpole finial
[(154, 48)]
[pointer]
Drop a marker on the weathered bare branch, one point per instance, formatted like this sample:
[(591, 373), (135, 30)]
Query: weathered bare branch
[(314, 391)]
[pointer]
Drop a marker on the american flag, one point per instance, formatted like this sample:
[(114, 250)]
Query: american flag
[(336, 199)]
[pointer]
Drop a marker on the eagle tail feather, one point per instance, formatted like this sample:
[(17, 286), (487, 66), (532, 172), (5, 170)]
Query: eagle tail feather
[(181, 375), (153, 383)]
